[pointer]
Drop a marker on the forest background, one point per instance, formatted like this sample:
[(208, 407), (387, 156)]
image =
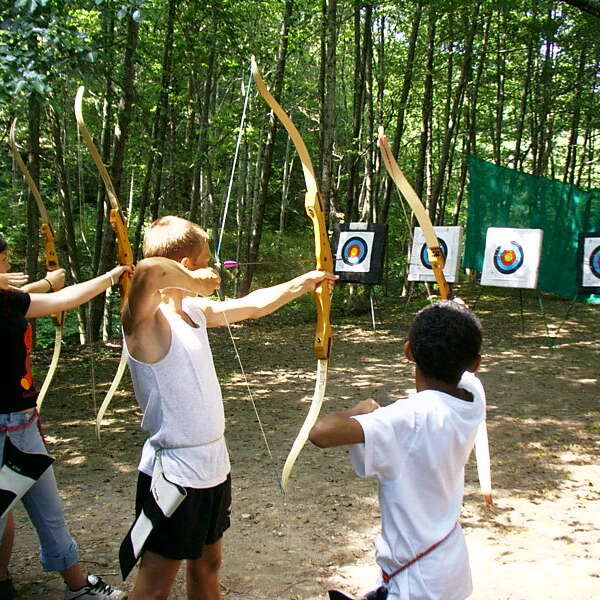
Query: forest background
[(515, 82)]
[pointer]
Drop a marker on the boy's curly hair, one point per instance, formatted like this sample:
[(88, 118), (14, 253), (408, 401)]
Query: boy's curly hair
[(445, 338)]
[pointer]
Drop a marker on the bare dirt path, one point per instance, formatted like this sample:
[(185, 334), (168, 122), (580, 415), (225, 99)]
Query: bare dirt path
[(542, 540)]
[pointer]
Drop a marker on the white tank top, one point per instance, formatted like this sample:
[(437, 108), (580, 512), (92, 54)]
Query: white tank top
[(182, 404)]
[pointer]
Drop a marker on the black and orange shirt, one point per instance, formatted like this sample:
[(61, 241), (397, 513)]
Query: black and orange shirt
[(18, 392)]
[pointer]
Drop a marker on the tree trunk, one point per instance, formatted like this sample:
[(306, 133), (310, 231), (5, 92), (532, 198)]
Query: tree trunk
[(571, 158), (124, 113), (33, 164), (457, 103), (407, 83), (470, 142), (426, 106), (162, 109), (327, 125), (267, 164), (361, 54)]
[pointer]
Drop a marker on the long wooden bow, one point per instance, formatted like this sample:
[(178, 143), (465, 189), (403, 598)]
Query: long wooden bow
[(324, 262), (437, 260), (50, 259), (124, 252)]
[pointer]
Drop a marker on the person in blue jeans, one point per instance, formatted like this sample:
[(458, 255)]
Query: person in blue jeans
[(18, 421)]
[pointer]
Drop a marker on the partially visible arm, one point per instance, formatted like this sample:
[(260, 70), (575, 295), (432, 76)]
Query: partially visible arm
[(264, 301), (339, 428), (74, 295), (52, 282)]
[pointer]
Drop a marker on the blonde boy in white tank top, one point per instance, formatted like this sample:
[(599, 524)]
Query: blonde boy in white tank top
[(164, 324)]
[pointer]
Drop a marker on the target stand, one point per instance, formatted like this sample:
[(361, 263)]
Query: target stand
[(512, 259), (359, 254)]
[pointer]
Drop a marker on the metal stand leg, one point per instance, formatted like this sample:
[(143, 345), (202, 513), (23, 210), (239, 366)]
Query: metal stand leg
[(543, 313), (522, 316), (372, 308)]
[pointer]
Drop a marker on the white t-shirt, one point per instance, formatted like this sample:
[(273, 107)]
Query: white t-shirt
[(417, 449), (183, 409)]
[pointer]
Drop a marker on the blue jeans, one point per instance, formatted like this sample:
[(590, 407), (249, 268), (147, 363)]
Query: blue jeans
[(58, 550)]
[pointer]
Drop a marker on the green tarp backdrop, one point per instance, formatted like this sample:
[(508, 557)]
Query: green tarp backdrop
[(502, 197)]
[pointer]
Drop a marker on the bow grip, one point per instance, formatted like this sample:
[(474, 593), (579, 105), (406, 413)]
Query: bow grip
[(52, 264), (124, 252)]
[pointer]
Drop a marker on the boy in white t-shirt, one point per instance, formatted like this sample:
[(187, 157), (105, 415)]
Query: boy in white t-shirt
[(417, 448), (164, 323)]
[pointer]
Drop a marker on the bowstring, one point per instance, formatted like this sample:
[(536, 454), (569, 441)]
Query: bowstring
[(218, 265)]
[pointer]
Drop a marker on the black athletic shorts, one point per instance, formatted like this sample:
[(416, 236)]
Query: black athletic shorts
[(200, 520)]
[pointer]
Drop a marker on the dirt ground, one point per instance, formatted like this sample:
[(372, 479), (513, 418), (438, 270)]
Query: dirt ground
[(541, 541)]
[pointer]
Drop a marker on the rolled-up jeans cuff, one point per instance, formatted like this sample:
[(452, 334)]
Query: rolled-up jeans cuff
[(60, 563)]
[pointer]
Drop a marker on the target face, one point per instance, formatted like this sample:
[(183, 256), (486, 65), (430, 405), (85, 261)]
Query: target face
[(359, 250), (588, 259), (512, 257), (425, 254), (508, 258), (450, 239), (354, 251)]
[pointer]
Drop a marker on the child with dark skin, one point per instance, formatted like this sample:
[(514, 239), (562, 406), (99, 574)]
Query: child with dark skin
[(417, 448)]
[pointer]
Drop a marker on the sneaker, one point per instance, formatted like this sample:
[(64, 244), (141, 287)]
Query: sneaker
[(96, 589), (7, 589)]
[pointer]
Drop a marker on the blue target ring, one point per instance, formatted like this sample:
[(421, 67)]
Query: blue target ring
[(354, 251), (595, 261), (508, 258), (425, 255)]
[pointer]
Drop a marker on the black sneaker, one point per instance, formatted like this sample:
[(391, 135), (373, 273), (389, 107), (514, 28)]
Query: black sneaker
[(7, 589), (96, 589)]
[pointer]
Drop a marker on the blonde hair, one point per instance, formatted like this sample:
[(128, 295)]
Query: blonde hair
[(173, 237)]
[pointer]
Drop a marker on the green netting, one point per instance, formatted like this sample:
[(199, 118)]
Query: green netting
[(502, 197)]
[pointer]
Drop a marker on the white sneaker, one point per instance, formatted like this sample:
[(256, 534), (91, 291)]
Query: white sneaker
[(96, 589)]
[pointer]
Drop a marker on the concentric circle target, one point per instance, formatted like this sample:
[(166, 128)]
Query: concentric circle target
[(425, 255), (595, 261), (508, 257), (354, 251)]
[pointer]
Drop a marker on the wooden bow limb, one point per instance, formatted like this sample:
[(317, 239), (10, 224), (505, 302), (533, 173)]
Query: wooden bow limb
[(50, 259), (436, 258), (324, 262), (124, 251)]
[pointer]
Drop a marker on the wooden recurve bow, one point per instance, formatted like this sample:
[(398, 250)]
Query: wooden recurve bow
[(50, 259), (437, 260), (324, 262), (124, 251)]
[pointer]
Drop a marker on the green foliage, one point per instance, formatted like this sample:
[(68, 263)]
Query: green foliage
[(49, 47)]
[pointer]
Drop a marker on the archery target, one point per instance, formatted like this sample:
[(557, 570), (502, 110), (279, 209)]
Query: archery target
[(450, 239), (512, 257), (588, 276), (359, 250)]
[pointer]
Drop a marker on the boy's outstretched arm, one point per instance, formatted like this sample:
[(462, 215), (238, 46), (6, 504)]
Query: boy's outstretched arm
[(339, 428), (265, 300)]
